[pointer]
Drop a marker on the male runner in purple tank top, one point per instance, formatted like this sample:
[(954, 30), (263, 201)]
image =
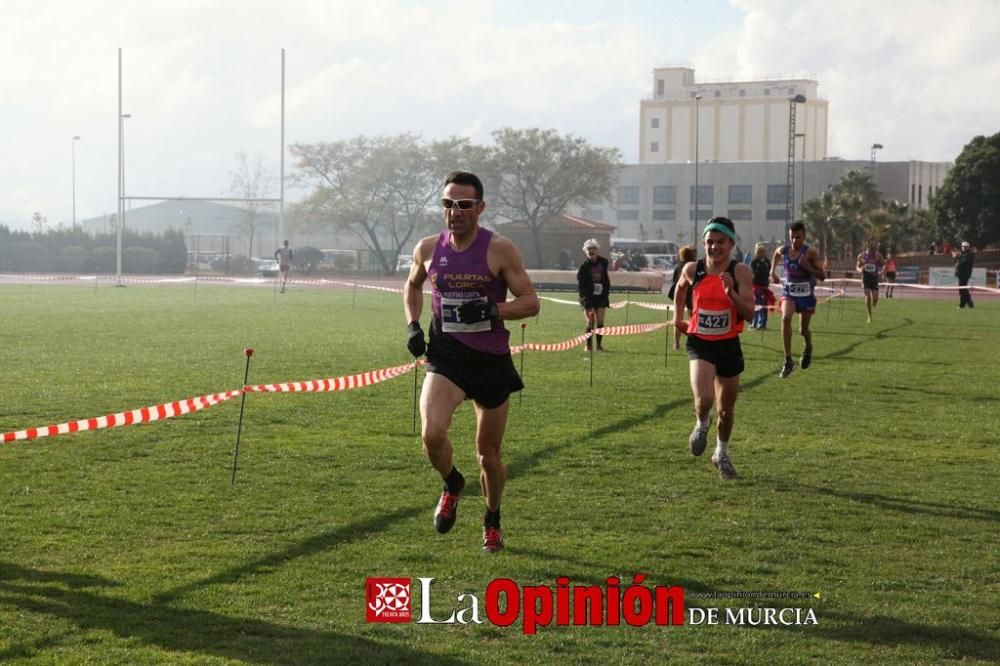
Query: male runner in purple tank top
[(471, 270), (802, 268)]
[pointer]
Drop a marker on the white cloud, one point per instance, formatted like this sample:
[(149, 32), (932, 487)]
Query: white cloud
[(202, 78)]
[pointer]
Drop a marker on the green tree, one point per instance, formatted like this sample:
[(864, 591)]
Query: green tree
[(540, 173), (967, 206), (382, 190)]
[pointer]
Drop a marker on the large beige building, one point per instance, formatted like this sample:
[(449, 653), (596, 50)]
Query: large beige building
[(737, 121)]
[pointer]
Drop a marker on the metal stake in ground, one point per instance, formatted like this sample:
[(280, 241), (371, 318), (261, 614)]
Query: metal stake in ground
[(666, 344), (591, 351), (415, 366), (243, 397), (628, 299), (520, 394)]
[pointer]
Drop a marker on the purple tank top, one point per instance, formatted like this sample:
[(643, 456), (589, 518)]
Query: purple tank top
[(457, 277), (798, 283), (597, 272), (869, 263)]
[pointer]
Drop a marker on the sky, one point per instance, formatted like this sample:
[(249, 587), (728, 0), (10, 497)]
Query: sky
[(201, 79)]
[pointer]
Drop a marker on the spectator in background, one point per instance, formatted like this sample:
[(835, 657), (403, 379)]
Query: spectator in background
[(593, 286), (964, 262), (889, 273), (762, 294), (686, 255)]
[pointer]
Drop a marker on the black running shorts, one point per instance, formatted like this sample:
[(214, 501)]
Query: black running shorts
[(725, 355), (489, 379), (594, 302), (869, 280)]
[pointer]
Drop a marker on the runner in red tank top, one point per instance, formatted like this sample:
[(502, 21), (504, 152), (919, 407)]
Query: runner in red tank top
[(723, 292)]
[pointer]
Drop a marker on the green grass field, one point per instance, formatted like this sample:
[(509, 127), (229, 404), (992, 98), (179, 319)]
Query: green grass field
[(870, 478)]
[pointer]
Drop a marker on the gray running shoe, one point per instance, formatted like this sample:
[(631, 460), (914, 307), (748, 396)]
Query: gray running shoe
[(725, 466), (698, 441), (787, 368)]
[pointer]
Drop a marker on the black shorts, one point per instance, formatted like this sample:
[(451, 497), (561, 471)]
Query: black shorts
[(593, 302), (869, 281), (489, 379), (890, 276), (725, 355)]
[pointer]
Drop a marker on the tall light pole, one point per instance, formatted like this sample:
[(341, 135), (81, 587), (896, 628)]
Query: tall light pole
[(875, 146), (793, 102), (802, 175), (121, 190), (697, 140), (73, 144)]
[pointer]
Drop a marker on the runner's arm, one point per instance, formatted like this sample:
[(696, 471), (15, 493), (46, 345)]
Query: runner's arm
[(525, 303), (413, 288)]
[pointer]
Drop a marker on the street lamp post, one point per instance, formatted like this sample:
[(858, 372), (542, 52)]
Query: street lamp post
[(73, 144), (875, 146), (790, 174), (802, 174), (697, 140)]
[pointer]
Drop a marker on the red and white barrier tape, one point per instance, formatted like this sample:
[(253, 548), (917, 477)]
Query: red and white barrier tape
[(145, 415), (615, 305), (345, 383), (553, 347)]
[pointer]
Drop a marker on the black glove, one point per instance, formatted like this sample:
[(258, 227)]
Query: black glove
[(415, 342), (473, 312)]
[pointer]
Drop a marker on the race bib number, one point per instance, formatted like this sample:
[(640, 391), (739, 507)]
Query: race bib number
[(598, 289), (449, 317), (713, 322), (799, 289), (871, 268)]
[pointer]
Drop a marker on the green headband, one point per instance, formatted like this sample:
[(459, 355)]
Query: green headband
[(722, 229)]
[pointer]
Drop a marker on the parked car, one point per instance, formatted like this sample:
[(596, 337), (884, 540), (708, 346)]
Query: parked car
[(267, 267), (661, 262)]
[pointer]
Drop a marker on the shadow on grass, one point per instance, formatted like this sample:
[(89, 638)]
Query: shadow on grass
[(959, 642), (193, 631), (897, 504), (316, 544)]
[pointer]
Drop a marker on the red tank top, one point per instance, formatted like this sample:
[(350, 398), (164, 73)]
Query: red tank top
[(713, 316)]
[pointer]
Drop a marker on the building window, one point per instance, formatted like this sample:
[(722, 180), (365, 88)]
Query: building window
[(659, 87), (706, 195), (628, 195), (791, 91), (777, 194), (654, 147), (743, 93), (740, 215), (920, 195), (628, 215), (767, 92), (654, 123), (664, 214), (693, 94), (741, 194), (718, 93), (913, 193), (596, 214), (775, 214), (664, 195)]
